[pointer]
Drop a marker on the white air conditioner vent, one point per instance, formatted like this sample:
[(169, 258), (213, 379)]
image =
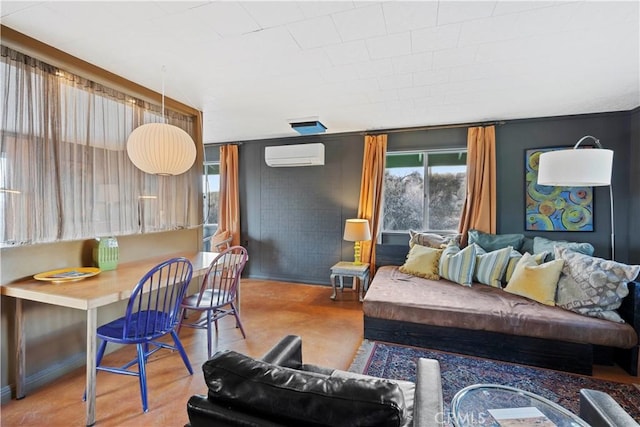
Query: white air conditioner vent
[(294, 155)]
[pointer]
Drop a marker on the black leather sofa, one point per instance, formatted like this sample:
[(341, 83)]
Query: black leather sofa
[(279, 390)]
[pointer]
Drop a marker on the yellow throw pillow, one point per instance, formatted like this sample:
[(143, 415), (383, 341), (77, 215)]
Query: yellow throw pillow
[(422, 261), (536, 282), (514, 257)]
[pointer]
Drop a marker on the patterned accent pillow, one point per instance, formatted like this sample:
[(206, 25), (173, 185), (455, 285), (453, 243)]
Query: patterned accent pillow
[(458, 265), (593, 286), (536, 282), (432, 240), (540, 244), (422, 261), (490, 266), (492, 242)]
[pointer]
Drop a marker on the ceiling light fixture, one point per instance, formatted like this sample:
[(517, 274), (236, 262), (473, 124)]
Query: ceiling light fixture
[(161, 148), (308, 128)]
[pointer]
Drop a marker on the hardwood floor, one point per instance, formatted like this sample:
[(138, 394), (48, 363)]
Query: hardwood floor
[(331, 333)]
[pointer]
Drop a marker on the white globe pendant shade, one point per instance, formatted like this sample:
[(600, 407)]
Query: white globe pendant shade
[(161, 149)]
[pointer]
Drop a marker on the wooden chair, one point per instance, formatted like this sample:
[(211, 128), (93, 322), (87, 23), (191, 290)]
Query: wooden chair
[(220, 241), (152, 312), (218, 293)]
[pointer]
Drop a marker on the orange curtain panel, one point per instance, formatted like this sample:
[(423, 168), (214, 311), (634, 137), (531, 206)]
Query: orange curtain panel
[(229, 214), (370, 206), (479, 211)]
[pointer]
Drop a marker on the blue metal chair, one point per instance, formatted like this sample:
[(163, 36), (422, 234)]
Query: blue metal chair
[(153, 312), (218, 293)]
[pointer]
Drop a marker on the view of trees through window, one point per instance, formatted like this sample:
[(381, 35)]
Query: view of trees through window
[(211, 185), (424, 190)]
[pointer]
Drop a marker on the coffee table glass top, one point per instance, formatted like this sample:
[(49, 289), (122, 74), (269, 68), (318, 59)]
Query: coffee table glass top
[(502, 406)]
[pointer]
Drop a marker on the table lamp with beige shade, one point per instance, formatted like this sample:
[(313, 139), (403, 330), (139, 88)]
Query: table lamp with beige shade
[(357, 230)]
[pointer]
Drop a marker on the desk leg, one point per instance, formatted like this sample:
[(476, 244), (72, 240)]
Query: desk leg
[(20, 352), (92, 325)]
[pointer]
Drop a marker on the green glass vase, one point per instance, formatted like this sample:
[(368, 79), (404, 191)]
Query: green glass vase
[(105, 253)]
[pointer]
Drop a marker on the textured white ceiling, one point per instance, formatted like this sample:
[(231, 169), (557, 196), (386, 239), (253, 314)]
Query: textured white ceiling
[(253, 67)]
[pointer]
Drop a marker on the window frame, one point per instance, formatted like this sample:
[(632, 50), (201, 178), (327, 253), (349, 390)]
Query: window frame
[(205, 199), (426, 182)]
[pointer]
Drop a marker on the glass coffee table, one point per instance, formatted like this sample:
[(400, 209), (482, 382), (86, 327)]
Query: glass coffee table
[(503, 406)]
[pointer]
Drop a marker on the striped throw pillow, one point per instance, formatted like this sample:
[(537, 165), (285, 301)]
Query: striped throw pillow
[(490, 266), (458, 264)]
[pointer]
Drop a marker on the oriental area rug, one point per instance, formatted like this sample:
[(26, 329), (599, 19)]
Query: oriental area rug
[(399, 362)]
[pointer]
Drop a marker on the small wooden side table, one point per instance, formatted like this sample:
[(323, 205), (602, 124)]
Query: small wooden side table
[(359, 273)]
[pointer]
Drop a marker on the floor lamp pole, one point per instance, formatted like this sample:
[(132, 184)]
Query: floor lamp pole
[(613, 234)]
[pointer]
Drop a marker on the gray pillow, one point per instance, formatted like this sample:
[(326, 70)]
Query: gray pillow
[(432, 240), (593, 286), (527, 245), (493, 242), (540, 244)]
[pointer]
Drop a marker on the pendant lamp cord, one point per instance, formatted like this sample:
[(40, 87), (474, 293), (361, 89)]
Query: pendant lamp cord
[(164, 69)]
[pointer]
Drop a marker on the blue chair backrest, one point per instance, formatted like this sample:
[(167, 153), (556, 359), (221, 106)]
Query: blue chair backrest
[(154, 305), (223, 276)]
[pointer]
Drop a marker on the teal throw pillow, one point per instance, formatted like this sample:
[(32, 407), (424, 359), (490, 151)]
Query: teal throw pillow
[(492, 242), (541, 244), (490, 266), (458, 264)]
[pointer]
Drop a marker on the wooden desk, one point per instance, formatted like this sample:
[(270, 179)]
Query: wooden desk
[(89, 294)]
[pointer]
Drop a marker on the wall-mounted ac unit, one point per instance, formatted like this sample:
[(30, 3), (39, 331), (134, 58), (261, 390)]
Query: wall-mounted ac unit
[(294, 155)]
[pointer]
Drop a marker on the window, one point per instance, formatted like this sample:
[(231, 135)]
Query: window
[(424, 190), (211, 186), (64, 161)]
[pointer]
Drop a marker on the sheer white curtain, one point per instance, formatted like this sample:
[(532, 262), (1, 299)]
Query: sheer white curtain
[(64, 169)]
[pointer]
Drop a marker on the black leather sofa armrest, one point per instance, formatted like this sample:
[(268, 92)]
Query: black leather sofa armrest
[(287, 353)]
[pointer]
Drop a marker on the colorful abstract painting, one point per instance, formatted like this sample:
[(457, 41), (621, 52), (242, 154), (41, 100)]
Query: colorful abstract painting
[(555, 208)]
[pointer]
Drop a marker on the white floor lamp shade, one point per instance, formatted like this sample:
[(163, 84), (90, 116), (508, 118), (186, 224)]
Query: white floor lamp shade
[(580, 168), (161, 149), (576, 168)]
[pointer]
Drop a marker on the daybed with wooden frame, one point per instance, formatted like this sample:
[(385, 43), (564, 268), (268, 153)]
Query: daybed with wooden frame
[(489, 322)]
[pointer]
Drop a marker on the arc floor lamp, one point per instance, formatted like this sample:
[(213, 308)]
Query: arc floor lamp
[(579, 168)]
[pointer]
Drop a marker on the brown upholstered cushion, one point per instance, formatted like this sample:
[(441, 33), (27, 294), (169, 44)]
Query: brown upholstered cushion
[(397, 296)]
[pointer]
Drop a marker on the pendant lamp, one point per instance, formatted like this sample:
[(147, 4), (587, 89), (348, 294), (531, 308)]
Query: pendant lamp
[(161, 148)]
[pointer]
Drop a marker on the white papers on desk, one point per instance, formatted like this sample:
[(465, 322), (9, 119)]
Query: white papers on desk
[(521, 417)]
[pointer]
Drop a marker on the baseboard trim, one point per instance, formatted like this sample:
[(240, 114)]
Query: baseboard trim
[(41, 378), (298, 281)]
